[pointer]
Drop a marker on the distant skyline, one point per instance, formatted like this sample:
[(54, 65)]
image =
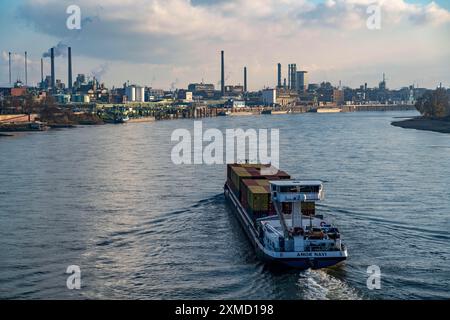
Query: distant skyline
[(170, 43)]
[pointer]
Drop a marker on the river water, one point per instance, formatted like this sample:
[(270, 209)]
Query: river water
[(109, 200)]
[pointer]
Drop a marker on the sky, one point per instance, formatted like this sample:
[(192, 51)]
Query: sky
[(171, 43)]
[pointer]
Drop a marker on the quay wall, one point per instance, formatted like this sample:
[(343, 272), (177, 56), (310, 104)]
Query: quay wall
[(17, 118)]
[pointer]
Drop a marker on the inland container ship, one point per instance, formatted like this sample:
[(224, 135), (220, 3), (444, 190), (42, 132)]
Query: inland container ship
[(278, 214)]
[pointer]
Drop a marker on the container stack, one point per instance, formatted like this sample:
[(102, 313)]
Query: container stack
[(255, 197), (253, 189), (237, 172)]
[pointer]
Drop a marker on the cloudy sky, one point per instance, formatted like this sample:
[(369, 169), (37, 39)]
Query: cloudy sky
[(170, 43)]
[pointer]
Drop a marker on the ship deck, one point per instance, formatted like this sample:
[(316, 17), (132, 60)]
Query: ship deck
[(307, 223)]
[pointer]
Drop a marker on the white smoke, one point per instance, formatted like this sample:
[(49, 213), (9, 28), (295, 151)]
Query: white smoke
[(100, 71), (59, 50)]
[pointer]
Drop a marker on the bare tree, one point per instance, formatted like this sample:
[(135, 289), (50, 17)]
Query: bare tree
[(434, 104)]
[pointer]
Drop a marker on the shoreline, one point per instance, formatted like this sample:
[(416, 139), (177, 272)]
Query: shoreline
[(5, 135), (424, 124)]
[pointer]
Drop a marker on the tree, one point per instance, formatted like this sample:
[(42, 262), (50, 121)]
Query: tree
[(434, 104)]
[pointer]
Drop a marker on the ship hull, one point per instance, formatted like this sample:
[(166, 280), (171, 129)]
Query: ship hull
[(297, 260)]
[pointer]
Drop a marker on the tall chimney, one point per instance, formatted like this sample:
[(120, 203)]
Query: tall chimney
[(223, 74), (69, 54), (289, 76), (245, 79), (279, 75), (42, 70), (10, 68), (26, 69), (52, 62)]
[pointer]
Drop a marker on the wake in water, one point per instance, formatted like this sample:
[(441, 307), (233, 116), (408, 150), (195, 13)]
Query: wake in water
[(319, 285)]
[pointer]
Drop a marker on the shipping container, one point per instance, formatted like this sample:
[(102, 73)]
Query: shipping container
[(253, 189), (308, 208)]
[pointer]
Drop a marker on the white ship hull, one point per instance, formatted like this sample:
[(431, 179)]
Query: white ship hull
[(294, 259)]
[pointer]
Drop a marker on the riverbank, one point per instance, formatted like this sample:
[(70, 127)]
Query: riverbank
[(420, 123)]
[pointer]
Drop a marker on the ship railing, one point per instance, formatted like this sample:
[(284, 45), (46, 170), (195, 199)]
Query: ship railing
[(321, 245), (271, 228)]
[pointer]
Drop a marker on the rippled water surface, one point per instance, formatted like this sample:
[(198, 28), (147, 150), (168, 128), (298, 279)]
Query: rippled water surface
[(109, 199)]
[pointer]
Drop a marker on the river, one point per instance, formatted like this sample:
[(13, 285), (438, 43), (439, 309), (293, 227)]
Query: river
[(109, 200)]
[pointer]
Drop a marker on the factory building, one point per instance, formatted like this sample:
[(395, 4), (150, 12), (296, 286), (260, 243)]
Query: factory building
[(81, 79), (286, 97), (184, 95), (269, 97), (301, 81), (154, 94), (233, 91), (81, 98), (338, 97), (203, 90), (62, 98), (292, 76)]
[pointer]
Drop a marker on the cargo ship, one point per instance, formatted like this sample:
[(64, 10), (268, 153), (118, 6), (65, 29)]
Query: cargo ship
[(278, 214)]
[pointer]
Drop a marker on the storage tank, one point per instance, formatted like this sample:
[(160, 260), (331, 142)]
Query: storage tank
[(130, 92), (140, 94)]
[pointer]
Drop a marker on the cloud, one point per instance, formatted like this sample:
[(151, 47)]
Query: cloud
[(161, 28), (256, 32), (430, 14), (352, 14)]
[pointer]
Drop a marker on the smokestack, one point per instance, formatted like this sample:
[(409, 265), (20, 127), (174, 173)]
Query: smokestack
[(52, 62), (245, 79), (69, 54), (42, 70), (223, 74), (289, 75), (26, 69), (10, 68), (279, 75)]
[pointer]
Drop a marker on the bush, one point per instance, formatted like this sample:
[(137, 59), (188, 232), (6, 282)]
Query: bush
[(434, 104)]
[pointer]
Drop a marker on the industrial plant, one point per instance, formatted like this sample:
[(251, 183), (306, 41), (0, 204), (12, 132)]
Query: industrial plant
[(291, 93)]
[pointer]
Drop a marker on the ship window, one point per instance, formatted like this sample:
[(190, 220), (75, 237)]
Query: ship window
[(289, 189), (310, 189), (303, 189)]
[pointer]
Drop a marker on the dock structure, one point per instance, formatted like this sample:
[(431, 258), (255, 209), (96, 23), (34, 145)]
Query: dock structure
[(92, 113), (141, 112), (198, 111), (378, 107)]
